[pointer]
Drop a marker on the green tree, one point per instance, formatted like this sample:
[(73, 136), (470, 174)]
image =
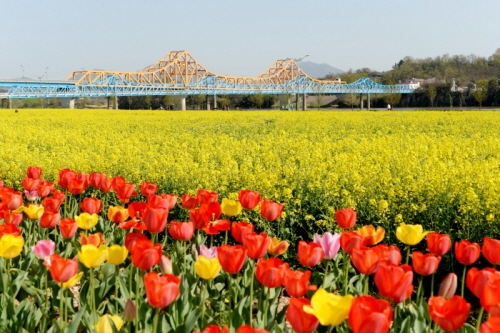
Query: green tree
[(431, 93), (167, 101), (257, 100), (481, 92)]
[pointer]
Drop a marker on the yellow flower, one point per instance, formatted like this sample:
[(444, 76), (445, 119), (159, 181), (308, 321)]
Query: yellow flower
[(230, 207), (117, 214), (207, 269), (410, 234), (117, 254), (91, 256), (276, 247), (86, 221), (71, 282), (34, 212), (330, 309), (11, 246), (104, 325), (374, 236)]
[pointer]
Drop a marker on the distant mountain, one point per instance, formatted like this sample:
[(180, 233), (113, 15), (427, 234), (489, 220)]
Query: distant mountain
[(318, 70)]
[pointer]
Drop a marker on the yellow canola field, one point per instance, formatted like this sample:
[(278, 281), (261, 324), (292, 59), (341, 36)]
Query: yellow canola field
[(436, 168)]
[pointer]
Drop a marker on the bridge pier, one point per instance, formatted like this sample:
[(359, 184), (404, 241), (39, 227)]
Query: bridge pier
[(215, 102), (68, 103), (183, 103), (368, 102), (361, 101), (304, 102)]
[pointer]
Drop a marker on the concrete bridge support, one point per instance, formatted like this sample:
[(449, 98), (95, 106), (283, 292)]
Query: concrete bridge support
[(215, 102), (183, 103), (68, 103), (361, 101), (368, 102), (8, 102), (304, 102)]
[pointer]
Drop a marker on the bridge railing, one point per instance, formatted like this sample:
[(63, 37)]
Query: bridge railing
[(36, 81)]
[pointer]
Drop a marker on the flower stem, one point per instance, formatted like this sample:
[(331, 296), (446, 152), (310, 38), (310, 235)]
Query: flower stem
[(479, 319), (346, 273), (92, 295), (463, 281), (185, 255), (365, 284), (251, 292), (419, 287), (432, 284), (407, 254), (155, 321), (266, 305), (117, 288), (326, 274), (202, 292)]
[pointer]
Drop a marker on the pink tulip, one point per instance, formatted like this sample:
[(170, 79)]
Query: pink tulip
[(44, 249), (165, 265), (31, 195), (330, 243), (207, 252)]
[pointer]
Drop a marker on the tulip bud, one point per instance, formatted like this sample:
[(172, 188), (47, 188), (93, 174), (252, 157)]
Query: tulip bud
[(165, 265), (130, 311), (448, 286)]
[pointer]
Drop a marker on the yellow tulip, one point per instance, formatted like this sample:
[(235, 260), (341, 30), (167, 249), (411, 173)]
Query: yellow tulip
[(117, 254), (230, 207), (374, 236), (34, 212), (92, 256), (11, 246), (117, 214), (104, 325), (410, 234), (330, 309), (71, 282), (86, 221), (276, 247), (207, 269)]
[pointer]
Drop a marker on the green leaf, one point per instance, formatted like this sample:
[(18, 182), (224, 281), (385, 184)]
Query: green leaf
[(75, 322)]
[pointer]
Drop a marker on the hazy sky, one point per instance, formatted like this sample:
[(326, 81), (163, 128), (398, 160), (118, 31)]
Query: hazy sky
[(238, 37)]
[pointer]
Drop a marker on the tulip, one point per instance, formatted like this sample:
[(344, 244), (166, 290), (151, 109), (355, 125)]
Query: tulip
[(68, 227), (450, 314), (104, 324), (11, 246), (491, 250), (59, 196), (159, 201), (96, 178), (231, 207), (270, 210), (130, 311), (439, 244), (148, 188), (72, 281), (231, 258), (238, 229), (394, 282), (34, 172), (91, 205), (65, 176), (96, 239), (492, 325), (124, 191), (45, 188), (189, 202), (30, 184), (155, 219), (370, 315), (206, 197), (117, 181), (330, 309), (86, 221), (61, 270), (212, 210), (365, 260), (256, 244), (182, 231), (276, 247), (466, 252), (213, 329), (330, 243), (249, 329), (165, 265), (477, 279), (310, 254), (248, 199), (448, 286), (490, 297), (270, 272), (346, 218), (9, 229), (199, 217), (410, 234), (425, 264), (208, 252), (132, 238), (170, 200), (34, 212), (77, 186), (117, 214), (372, 236), (207, 269), (214, 227), (32, 195), (145, 254), (92, 256), (43, 249), (11, 217), (51, 204), (117, 254), (300, 321), (389, 254), (13, 200), (50, 219), (296, 283), (349, 240)]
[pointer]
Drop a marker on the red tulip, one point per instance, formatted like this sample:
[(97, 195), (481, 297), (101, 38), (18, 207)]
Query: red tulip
[(124, 191), (349, 240), (58, 195), (50, 203), (491, 250), (231, 258), (65, 176), (214, 227), (30, 184), (477, 279), (189, 202), (76, 186), (96, 178), (425, 264), (296, 283), (270, 210), (346, 218), (256, 244), (96, 239), (365, 260), (13, 200), (182, 231), (199, 217), (270, 272), (61, 269), (249, 329), (450, 314), (117, 181), (10, 229), (310, 254), (466, 252), (490, 297), (300, 321), (248, 199), (394, 282), (136, 209), (148, 189), (91, 205), (155, 219), (11, 217), (238, 230), (370, 315), (146, 254), (206, 197), (212, 209), (213, 329), (439, 244), (34, 172), (49, 219), (167, 201), (161, 291), (45, 188), (68, 227), (132, 238), (389, 254), (492, 325), (106, 185)]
